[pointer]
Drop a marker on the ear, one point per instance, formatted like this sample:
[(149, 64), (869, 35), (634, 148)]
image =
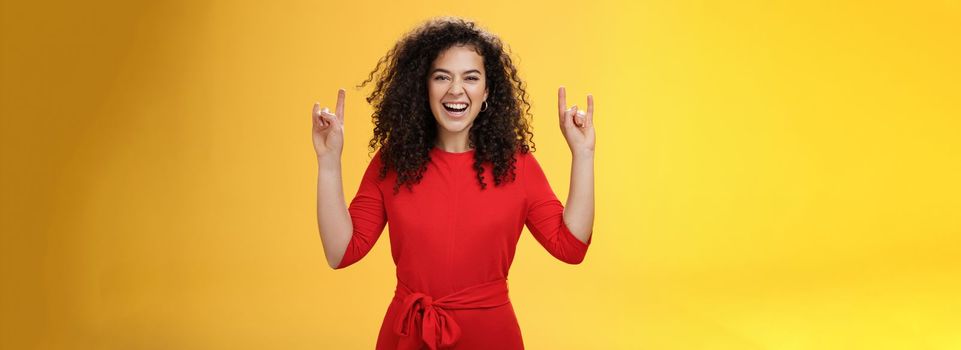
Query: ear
[(485, 93)]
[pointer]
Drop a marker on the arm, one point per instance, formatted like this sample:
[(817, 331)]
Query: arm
[(347, 234), (546, 217), (578, 129), (579, 211), (333, 220)]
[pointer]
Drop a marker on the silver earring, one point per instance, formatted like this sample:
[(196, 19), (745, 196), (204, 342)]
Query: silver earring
[(484, 106)]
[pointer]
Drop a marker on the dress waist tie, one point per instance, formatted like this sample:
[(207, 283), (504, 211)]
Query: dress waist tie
[(437, 328)]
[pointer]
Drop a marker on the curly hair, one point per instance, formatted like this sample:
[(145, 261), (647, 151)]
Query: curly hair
[(404, 126)]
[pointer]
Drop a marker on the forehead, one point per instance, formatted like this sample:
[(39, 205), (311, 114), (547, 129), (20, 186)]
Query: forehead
[(459, 58)]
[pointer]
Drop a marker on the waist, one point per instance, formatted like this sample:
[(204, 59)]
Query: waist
[(423, 319), (482, 295)]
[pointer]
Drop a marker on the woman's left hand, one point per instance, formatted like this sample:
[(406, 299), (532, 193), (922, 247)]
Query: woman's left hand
[(577, 126)]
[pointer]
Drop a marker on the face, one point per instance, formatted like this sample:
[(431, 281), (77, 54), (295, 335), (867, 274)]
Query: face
[(457, 88)]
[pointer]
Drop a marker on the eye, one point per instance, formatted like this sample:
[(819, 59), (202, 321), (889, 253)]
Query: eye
[(440, 77), (473, 77)]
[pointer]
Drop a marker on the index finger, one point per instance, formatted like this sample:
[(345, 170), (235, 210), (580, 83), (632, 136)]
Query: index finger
[(561, 100), (340, 104)]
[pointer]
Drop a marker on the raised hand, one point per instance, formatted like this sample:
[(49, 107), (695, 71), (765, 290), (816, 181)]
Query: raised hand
[(328, 130), (577, 126)]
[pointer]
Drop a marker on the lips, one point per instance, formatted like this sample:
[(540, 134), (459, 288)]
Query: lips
[(456, 109)]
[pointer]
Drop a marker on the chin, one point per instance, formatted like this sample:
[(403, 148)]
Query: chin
[(455, 127)]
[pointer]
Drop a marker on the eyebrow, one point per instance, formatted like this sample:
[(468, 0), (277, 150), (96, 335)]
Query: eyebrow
[(448, 72)]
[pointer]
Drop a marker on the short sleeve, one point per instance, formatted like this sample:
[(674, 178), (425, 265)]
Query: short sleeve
[(367, 214), (545, 216)]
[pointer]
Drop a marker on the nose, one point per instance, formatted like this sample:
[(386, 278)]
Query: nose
[(456, 88)]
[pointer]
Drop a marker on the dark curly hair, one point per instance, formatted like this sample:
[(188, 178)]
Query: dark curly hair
[(404, 126)]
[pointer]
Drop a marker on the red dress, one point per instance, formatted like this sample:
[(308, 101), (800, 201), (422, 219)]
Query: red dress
[(453, 245)]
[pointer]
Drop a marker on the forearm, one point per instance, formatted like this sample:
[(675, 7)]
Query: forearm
[(579, 211), (333, 219)]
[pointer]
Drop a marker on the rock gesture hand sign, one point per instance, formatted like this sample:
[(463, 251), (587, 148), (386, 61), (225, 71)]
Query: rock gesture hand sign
[(328, 131), (577, 126)]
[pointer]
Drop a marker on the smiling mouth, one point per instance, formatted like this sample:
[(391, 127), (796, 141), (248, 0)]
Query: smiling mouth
[(456, 109)]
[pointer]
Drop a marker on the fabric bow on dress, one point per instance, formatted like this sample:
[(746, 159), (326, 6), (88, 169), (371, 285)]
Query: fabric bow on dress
[(430, 316)]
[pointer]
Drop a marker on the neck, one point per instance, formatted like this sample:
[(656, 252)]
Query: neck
[(453, 143)]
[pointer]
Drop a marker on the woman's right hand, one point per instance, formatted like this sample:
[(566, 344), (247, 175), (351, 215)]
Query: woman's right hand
[(328, 130)]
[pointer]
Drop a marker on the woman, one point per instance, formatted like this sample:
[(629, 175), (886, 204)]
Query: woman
[(449, 115)]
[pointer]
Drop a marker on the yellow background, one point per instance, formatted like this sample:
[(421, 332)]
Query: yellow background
[(770, 174)]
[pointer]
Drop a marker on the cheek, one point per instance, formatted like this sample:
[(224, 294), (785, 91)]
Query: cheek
[(477, 93), (434, 92)]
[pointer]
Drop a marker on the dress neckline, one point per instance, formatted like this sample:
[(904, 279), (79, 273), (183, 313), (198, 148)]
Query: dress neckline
[(468, 153)]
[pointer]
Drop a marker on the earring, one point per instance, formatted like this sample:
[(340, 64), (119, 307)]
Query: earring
[(484, 106)]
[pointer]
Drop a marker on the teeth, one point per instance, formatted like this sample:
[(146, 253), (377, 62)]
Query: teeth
[(455, 105)]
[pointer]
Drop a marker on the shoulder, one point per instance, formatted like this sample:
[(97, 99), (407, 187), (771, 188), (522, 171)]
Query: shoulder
[(523, 156), (375, 164), (525, 159), (526, 165)]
